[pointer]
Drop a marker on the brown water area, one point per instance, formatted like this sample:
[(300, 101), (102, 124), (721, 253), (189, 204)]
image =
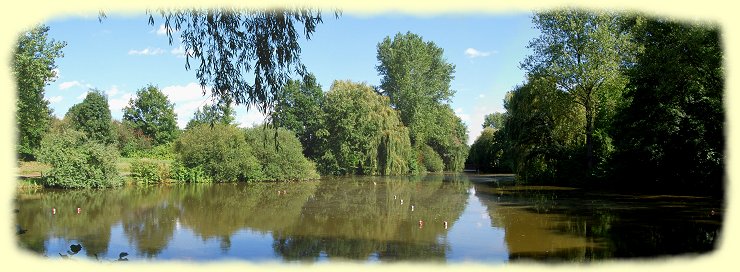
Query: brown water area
[(434, 218)]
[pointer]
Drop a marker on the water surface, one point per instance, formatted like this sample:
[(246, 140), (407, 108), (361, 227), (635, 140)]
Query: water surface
[(435, 218)]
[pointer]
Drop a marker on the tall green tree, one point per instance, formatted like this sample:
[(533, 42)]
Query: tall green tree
[(415, 76), (583, 52), (300, 109), (33, 68), (218, 113), (672, 132), (366, 136), (153, 114), (92, 116)]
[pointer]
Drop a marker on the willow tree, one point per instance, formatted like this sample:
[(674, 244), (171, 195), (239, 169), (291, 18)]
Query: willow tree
[(583, 51), (243, 55), (365, 135)]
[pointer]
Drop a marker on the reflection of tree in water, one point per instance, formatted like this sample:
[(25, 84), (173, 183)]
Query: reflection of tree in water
[(150, 224), (219, 210), (99, 210), (347, 218), (358, 217), (576, 226)]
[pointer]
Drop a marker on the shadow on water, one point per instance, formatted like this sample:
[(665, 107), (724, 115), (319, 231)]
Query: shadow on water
[(568, 224)]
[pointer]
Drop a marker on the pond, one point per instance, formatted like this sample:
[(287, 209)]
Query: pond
[(434, 218)]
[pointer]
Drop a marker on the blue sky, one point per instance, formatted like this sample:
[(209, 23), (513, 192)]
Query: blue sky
[(123, 54)]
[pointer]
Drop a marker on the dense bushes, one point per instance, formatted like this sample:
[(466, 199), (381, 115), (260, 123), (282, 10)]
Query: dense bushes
[(78, 162), (220, 150), (225, 153), (196, 174), (145, 171), (279, 154)]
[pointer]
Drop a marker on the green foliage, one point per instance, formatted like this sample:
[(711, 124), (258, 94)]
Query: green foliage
[(129, 140), (77, 162), (146, 171), (449, 138), (494, 120), (153, 114), (220, 150), (190, 175), (300, 109), (92, 116), (583, 52), (219, 113), (32, 65), (430, 159), (487, 151), (672, 131), (365, 135), (280, 154), (415, 76), (543, 128)]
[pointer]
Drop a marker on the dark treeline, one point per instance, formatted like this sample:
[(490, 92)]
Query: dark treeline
[(615, 101)]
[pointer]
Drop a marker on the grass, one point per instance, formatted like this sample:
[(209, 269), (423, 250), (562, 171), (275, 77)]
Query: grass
[(32, 169), (30, 172)]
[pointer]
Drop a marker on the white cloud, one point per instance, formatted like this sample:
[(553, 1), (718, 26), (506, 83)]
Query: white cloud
[(180, 52), (191, 91), (481, 95), (251, 119), (69, 84), (187, 100), (162, 30), (55, 99), (146, 51), (112, 91), (117, 104), (474, 53)]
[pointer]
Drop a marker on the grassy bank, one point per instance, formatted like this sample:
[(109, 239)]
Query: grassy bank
[(30, 172)]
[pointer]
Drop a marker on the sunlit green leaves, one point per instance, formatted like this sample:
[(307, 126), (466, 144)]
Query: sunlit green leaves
[(33, 67), (153, 114)]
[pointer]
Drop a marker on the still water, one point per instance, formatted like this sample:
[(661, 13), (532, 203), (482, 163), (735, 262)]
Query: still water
[(435, 218)]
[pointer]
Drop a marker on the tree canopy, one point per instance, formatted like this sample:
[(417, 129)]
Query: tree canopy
[(92, 116), (366, 136), (672, 131), (219, 113), (415, 76), (300, 109), (153, 114), (583, 52), (33, 67)]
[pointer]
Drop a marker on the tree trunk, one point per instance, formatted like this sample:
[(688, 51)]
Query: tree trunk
[(589, 134)]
